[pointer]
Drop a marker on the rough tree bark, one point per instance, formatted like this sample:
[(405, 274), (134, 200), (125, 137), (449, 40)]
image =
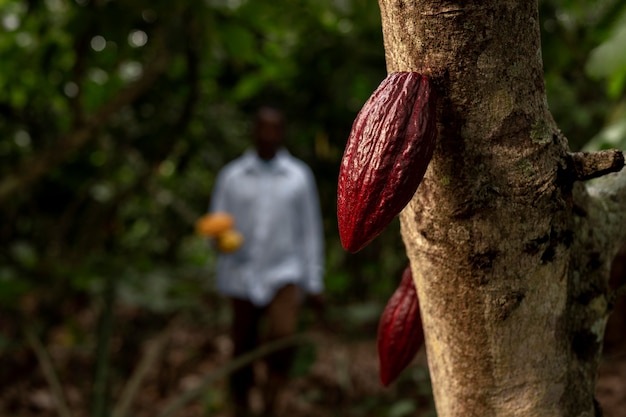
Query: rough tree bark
[(510, 249)]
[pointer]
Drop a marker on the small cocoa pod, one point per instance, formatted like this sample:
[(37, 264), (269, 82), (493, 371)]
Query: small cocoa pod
[(213, 224), (229, 241), (390, 145), (400, 333)]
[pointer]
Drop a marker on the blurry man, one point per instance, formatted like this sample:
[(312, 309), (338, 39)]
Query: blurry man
[(274, 200)]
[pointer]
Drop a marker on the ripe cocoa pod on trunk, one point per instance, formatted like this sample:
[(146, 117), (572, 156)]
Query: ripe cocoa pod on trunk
[(400, 333), (387, 153)]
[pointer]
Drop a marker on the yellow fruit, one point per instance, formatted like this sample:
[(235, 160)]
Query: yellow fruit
[(229, 241), (214, 224)]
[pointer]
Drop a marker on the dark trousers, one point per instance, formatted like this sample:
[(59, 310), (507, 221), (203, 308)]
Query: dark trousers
[(282, 316)]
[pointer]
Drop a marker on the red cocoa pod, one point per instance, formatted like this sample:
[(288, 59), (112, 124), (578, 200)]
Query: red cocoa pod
[(400, 333), (387, 153)]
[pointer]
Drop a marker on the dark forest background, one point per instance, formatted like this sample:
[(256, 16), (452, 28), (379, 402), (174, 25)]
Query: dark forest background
[(115, 117)]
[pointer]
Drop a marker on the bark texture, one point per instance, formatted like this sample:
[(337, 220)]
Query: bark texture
[(510, 254)]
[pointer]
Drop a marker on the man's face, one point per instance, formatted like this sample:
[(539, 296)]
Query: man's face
[(269, 133)]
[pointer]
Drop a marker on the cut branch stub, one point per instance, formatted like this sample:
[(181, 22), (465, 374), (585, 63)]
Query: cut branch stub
[(388, 150), (590, 165), (400, 333)]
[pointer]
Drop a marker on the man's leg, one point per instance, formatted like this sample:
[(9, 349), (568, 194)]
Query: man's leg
[(244, 332), (283, 320)]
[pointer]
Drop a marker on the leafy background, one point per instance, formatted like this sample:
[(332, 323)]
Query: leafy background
[(115, 117)]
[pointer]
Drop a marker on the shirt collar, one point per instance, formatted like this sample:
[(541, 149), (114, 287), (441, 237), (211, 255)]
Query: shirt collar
[(278, 164)]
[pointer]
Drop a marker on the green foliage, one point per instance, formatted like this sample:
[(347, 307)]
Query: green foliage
[(139, 179), (584, 68)]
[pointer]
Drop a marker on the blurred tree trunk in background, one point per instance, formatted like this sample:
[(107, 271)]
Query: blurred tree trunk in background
[(510, 250)]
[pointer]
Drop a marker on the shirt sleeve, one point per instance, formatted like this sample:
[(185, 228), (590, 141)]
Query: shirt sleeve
[(313, 238)]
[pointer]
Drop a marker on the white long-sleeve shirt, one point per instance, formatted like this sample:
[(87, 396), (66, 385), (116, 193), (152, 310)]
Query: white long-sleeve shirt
[(276, 208)]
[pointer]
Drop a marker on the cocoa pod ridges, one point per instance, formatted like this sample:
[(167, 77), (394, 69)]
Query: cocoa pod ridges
[(388, 150)]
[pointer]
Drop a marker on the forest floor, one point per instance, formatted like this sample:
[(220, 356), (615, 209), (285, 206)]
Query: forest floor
[(335, 375)]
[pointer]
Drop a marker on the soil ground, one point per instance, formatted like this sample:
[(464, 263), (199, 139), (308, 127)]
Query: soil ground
[(336, 375)]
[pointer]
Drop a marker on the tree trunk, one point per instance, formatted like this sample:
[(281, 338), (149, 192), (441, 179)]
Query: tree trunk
[(510, 252)]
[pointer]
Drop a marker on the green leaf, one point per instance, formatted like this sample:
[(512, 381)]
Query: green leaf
[(608, 60), (239, 42)]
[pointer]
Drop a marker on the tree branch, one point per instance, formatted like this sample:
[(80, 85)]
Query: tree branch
[(48, 371), (589, 165), (153, 352)]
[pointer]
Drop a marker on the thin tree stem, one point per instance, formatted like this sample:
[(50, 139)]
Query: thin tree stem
[(153, 352), (105, 329), (48, 371)]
